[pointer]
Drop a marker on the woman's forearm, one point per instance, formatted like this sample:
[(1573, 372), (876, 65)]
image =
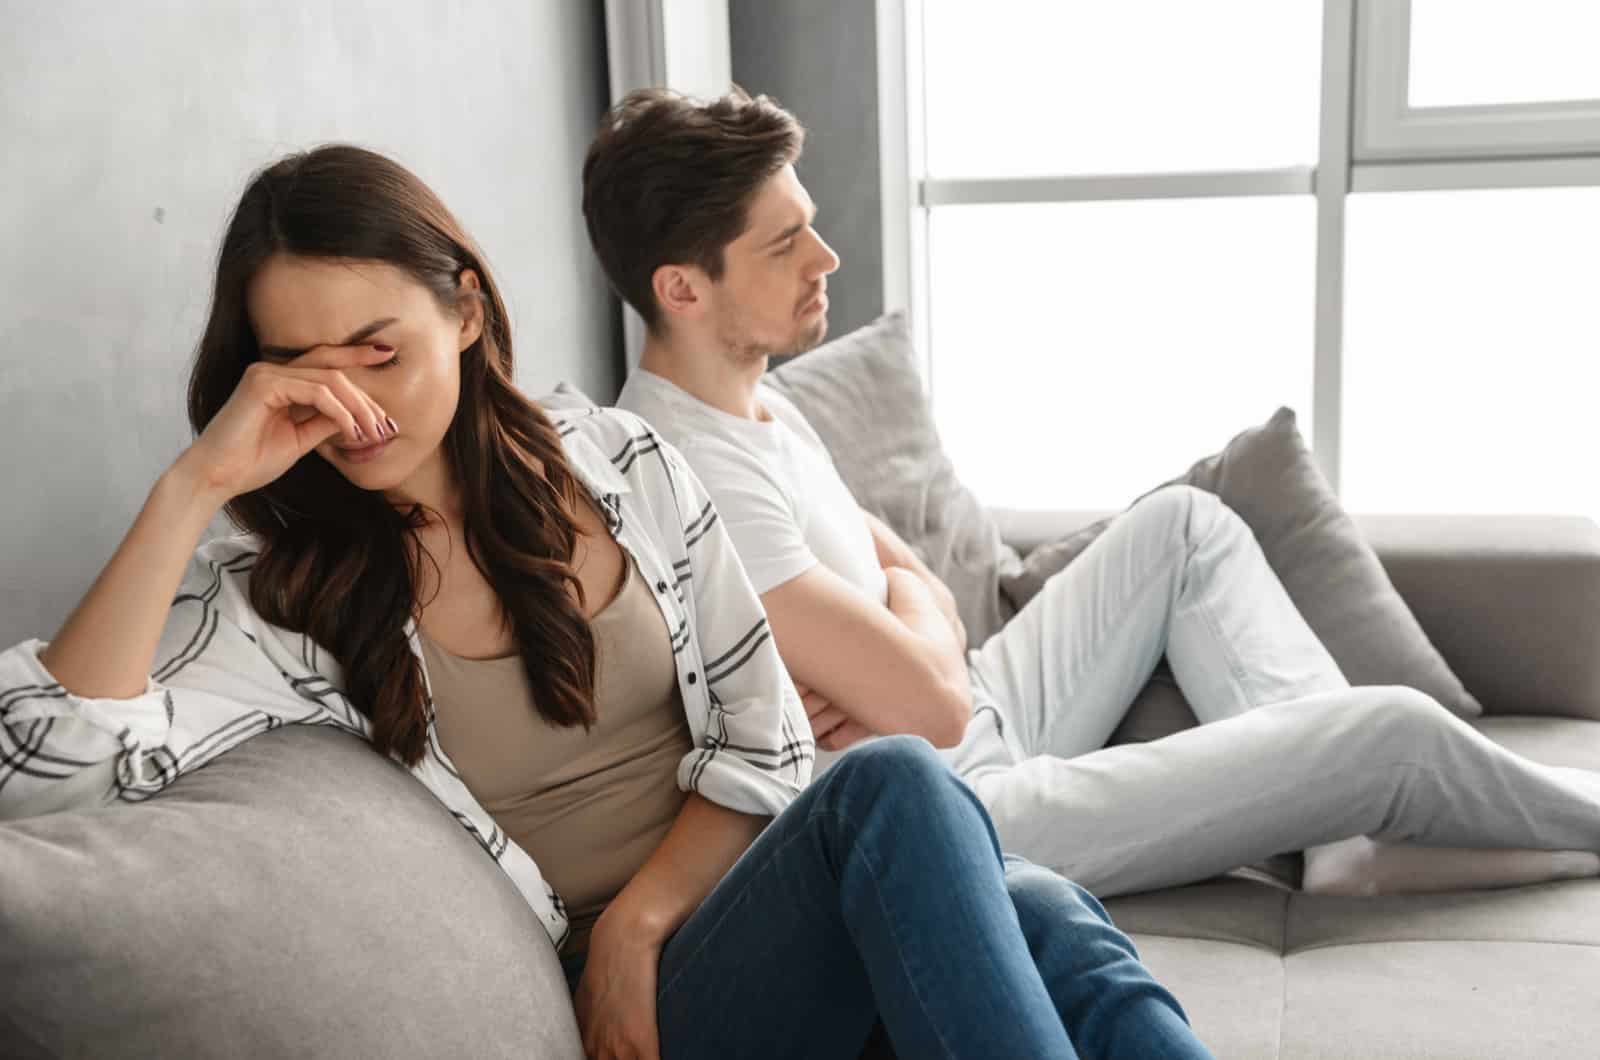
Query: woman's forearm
[(699, 849), (106, 647)]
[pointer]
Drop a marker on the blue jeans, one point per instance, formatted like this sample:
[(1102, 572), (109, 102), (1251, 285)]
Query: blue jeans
[(881, 894)]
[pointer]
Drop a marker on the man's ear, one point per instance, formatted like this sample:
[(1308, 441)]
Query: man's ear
[(678, 289), (469, 300)]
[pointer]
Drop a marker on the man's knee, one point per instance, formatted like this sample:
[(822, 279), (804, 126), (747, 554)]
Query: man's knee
[(1187, 510), (1399, 718)]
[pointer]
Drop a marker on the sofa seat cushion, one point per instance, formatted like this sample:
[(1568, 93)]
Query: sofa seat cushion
[(1265, 973)]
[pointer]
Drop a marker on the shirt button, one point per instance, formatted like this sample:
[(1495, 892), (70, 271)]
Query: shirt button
[(693, 678), (661, 587)]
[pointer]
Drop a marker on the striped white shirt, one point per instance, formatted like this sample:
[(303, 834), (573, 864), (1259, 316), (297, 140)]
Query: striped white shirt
[(222, 674)]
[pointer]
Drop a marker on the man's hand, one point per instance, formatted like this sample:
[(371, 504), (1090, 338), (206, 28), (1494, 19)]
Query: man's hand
[(893, 552), (616, 998), (832, 728), (946, 601)]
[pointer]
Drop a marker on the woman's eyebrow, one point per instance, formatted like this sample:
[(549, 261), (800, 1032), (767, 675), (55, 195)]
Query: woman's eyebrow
[(359, 335)]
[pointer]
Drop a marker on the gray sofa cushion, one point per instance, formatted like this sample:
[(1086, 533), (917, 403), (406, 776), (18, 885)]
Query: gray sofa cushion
[(863, 395), (1268, 475), (300, 896), (1270, 975)]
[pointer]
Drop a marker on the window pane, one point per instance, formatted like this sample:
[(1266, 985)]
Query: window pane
[(1027, 88), (1466, 52), (1082, 353), (1472, 363)]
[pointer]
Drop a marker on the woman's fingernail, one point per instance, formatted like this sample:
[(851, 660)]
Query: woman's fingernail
[(359, 436), (394, 428), (382, 348)]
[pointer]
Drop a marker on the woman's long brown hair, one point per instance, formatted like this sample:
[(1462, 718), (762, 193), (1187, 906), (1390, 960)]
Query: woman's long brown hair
[(340, 563)]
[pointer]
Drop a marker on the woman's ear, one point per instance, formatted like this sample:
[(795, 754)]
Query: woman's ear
[(470, 301)]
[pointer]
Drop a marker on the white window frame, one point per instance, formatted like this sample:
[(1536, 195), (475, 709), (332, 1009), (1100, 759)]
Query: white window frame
[(1389, 129), (1369, 140)]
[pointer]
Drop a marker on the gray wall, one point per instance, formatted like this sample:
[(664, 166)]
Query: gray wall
[(819, 58), (128, 131)]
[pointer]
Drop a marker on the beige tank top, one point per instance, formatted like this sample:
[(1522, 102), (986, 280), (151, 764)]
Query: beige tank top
[(588, 807)]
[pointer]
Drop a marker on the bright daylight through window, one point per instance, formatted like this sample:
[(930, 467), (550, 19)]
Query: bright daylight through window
[(1119, 329)]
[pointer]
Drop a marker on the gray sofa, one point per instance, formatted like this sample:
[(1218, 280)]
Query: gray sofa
[(1513, 603), (302, 897)]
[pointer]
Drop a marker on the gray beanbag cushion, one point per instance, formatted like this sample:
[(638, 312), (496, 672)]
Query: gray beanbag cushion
[(298, 897)]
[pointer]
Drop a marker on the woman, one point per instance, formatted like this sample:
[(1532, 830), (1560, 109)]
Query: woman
[(543, 619)]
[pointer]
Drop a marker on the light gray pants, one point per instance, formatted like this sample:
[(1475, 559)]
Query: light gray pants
[(1287, 755)]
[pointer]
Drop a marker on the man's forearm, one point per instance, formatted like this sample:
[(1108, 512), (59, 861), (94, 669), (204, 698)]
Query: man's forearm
[(912, 603)]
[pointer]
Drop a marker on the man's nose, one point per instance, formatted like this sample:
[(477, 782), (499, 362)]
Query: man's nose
[(828, 261)]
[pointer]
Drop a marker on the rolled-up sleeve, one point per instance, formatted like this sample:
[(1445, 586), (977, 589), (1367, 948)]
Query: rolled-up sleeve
[(212, 685), (757, 751)]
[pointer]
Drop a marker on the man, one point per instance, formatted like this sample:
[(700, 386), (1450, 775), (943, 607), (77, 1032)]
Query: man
[(701, 223)]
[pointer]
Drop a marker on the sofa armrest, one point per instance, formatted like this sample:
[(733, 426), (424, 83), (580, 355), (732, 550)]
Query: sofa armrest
[(1512, 602), (1025, 529)]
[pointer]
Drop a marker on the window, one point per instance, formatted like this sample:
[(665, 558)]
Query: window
[(1473, 353), (1113, 342), (1022, 88), (1527, 51), (1131, 230)]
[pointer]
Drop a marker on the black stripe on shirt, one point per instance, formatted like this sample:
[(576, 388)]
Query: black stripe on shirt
[(17, 761), (690, 542), (50, 691), (694, 524), (734, 667), (738, 645)]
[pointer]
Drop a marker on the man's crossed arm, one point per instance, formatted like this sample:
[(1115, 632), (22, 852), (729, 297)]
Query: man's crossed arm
[(866, 669)]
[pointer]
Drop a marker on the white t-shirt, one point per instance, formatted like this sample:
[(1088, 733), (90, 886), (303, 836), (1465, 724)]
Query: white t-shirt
[(773, 482)]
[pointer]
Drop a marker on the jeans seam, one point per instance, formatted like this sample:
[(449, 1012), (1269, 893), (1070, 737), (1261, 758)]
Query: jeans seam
[(1235, 665), (877, 895), (1121, 625), (1236, 668)]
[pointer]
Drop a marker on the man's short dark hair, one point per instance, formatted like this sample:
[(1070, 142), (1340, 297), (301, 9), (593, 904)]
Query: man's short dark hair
[(668, 180)]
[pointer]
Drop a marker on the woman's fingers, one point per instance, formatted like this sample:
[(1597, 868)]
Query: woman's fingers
[(334, 415), (368, 414)]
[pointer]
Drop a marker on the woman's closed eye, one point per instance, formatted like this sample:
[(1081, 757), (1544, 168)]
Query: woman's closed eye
[(381, 365)]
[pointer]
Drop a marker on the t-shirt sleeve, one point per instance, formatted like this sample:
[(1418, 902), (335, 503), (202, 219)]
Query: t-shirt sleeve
[(758, 513)]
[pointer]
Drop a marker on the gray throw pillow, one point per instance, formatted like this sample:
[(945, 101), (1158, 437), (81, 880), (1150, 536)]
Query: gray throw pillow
[(863, 395), (299, 896), (1268, 475)]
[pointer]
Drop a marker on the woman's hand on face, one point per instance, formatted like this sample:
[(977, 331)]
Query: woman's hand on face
[(616, 998), (279, 413)]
